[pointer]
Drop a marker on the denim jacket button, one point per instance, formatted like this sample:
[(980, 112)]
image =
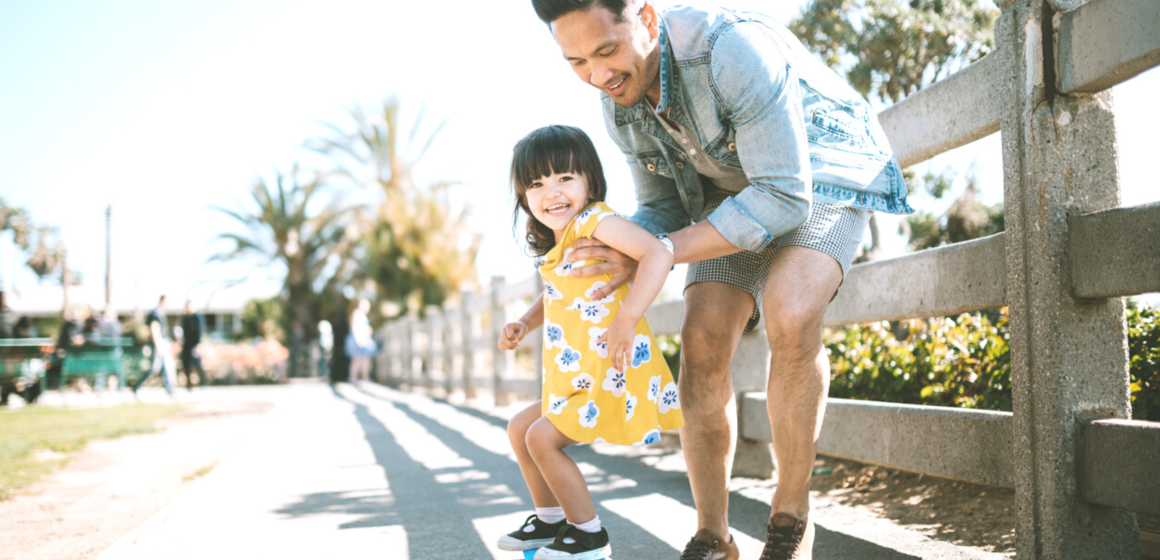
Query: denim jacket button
[(732, 147), (680, 165), (652, 167)]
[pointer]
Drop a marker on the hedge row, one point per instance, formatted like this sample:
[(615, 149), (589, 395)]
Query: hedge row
[(964, 361)]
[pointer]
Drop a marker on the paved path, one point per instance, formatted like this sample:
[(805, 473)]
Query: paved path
[(368, 472)]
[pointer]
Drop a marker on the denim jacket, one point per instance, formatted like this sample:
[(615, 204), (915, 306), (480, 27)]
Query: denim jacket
[(756, 100)]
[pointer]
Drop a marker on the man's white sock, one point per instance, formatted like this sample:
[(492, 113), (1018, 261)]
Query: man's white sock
[(589, 527), (550, 515)]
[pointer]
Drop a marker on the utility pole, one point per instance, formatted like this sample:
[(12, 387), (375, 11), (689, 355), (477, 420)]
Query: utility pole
[(109, 256)]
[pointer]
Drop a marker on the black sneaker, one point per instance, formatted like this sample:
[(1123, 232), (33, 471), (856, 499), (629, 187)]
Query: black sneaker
[(573, 544), (532, 535)]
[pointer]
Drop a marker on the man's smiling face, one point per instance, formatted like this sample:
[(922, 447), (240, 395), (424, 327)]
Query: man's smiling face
[(621, 59)]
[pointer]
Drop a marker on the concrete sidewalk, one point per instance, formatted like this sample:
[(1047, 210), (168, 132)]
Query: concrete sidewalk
[(369, 472)]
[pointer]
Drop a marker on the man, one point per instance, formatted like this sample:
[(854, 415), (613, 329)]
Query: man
[(158, 326), (190, 338), (764, 167)]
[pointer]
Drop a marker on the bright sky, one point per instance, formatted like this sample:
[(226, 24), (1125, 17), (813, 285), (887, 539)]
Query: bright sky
[(164, 109)]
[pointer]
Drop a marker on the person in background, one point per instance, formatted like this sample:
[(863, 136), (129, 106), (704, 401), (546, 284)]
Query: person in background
[(7, 317), (70, 337), (160, 346), (359, 344), (91, 331), (190, 338), (109, 327)]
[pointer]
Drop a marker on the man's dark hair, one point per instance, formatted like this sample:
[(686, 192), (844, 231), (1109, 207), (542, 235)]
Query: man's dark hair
[(551, 10)]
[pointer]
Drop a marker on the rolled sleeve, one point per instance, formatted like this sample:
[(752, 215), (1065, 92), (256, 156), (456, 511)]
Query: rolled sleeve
[(761, 95)]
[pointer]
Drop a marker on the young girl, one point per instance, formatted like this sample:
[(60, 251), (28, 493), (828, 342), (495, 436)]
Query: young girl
[(604, 377)]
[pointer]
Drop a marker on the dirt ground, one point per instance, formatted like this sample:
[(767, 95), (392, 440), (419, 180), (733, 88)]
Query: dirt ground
[(965, 514), (111, 487)]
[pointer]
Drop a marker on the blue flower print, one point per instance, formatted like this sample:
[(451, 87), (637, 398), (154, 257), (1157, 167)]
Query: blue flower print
[(589, 310), (588, 414), (601, 348), (568, 359), (652, 436), (641, 350), (669, 399), (565, 267), (556, 404), (583, 382), (629, 406), (614, 382), (551, 292), (553, 335), (583, 217), (654, 388)]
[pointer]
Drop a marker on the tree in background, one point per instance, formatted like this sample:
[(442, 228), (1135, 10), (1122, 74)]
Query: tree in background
[(309, 239), (47, 255), (891, 49), (413, 248)]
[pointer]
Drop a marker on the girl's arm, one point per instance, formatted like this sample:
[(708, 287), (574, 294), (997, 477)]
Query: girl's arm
[(656, 260), (513, 333)]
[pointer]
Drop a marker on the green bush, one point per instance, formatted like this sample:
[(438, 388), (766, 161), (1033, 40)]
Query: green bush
[(1144, 356), (965, 361)]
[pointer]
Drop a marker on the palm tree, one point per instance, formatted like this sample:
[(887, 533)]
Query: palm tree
[(415, 250), (313, 245)]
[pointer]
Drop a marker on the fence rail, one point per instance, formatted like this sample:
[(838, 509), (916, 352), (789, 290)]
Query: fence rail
[(1067, 256)]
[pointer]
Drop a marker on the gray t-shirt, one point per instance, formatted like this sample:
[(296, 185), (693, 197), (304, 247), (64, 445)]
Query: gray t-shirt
[(721, 176)]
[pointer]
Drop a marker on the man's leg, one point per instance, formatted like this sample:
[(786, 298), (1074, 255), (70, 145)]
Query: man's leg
[(715, 317), (801, 283)]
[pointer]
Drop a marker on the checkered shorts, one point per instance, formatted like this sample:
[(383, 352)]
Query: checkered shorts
[(832, 229)]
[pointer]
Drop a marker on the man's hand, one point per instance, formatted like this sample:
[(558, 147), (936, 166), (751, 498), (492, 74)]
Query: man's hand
[(622, 267), (512, 334)]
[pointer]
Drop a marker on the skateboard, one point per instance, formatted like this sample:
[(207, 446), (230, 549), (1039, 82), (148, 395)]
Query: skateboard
[(531, 554)]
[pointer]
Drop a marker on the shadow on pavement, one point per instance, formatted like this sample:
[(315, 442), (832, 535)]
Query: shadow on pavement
[(437, 515)]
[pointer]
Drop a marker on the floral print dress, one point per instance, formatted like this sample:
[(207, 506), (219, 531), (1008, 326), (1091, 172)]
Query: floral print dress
[(584, 397)]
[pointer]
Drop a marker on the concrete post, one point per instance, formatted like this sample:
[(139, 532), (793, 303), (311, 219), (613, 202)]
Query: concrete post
[(750, 372), (432, 356), (409, 326), (449, 323), (467, 334), (1068, 356), (500, 359)]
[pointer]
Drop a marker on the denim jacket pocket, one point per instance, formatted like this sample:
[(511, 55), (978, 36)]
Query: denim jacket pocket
[(655, 163), (840, 130), (724, 150)]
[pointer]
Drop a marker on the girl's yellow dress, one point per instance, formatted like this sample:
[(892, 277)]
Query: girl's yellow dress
[(584, 397)]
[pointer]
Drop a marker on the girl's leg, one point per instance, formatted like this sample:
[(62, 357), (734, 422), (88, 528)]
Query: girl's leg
[(546, 445), (517, 432)]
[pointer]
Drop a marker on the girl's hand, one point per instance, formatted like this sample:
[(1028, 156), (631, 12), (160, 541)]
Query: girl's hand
[(619, 338), (512, 334)]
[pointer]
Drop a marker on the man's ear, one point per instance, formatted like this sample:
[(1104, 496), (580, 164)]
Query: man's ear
[(648, 14)]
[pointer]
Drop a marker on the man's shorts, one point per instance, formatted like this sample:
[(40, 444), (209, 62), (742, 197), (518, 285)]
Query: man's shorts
[(832, 229)]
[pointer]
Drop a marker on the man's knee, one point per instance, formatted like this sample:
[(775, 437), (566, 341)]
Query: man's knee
[(793, 326)]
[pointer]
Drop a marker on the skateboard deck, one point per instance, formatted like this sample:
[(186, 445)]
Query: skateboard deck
[(531, 554)]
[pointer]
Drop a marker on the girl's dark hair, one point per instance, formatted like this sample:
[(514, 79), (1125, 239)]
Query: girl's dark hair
[(551, 10), (548, 150)]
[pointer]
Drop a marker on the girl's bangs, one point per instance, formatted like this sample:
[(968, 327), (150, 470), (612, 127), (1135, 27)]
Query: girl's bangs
[(537, 160)]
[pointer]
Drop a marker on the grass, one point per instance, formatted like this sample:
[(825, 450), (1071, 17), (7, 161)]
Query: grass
[(25, 432)]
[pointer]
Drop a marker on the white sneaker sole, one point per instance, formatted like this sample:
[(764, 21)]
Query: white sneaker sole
[(507, 542), (598, 554)]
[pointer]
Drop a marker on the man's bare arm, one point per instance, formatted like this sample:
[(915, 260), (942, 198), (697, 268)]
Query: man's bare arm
[(698, 242)]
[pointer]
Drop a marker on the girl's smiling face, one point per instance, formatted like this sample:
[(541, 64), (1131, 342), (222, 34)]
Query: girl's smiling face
[(555, 199)]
